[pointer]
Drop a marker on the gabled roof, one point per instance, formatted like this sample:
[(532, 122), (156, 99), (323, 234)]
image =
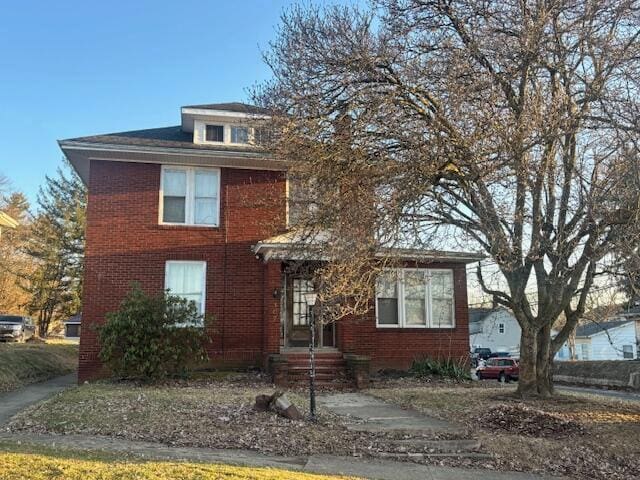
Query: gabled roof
[(590, 329), (166, 137), (235, 107)]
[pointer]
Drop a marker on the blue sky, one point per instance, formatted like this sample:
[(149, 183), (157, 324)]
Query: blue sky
[(74, 68)]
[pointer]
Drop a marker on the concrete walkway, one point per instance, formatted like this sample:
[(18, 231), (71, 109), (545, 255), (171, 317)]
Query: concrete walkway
[(620, 394), (374, 469), (13, 402), (370, 414)]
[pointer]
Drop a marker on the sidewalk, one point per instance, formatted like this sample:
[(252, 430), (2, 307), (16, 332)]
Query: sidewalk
[(13, 402), (375, 469)]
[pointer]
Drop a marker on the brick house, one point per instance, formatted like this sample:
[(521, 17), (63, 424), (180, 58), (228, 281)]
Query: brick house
[(201, 210)]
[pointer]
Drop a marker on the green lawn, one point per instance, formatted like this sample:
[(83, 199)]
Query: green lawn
[(24, 363)]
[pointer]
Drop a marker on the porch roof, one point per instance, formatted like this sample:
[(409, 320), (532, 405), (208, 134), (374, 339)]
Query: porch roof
[(293, 246)]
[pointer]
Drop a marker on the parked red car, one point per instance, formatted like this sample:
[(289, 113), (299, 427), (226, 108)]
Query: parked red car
[(501, 368)]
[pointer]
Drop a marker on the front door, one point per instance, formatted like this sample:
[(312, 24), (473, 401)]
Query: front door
[(298, 317)]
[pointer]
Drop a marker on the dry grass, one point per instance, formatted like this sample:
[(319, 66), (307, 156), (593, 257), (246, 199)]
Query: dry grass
[(212, 414), (24, 363), (609, 448), (18, 466)]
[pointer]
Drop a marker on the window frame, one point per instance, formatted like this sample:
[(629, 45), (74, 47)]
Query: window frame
[(190, 196), (402, 324), (501, 328), (204, 280), (629, 351)]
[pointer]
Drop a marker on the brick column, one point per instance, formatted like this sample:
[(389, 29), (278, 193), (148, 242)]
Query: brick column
[(271, 309)]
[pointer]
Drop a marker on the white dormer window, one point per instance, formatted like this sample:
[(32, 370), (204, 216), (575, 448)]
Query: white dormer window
[(214, 133), (239, 134)]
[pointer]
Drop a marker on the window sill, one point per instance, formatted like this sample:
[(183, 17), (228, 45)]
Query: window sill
[(186, 226), (413, 328)]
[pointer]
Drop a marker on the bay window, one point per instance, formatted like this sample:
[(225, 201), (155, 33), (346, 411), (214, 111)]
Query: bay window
[(415, 298), (189, 196)]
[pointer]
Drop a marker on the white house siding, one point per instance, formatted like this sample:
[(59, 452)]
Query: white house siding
[(486, 332), (610, 347)]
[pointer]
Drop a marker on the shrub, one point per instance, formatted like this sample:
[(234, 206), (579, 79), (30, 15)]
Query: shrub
[(447, 368), (151, 337)]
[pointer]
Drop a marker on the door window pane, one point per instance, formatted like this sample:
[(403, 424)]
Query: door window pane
[(415, 299), (300, 306), (186, 280), (387, 299), (174, 190)]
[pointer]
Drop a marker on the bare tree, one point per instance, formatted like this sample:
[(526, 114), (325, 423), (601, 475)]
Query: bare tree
[(511, 126)]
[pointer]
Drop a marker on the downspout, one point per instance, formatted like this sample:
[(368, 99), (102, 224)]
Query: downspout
[(224, 268)]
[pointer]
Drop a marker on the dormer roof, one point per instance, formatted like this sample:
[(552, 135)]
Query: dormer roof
[(234, 107)]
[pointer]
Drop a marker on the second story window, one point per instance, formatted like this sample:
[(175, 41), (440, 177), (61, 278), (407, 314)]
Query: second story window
[(215, 133), (189, 196), (239, 134)]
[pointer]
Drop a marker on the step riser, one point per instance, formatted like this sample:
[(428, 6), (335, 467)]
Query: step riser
[(331, 370)]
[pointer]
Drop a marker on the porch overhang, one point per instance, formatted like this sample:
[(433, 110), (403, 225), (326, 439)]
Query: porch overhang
[(290, 246)]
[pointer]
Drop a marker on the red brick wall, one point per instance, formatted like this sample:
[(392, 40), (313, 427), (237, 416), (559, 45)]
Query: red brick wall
[(126, 244), (396, 348)]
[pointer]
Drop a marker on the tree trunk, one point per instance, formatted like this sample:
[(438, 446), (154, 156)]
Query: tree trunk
[(544, 362), (527, 383)]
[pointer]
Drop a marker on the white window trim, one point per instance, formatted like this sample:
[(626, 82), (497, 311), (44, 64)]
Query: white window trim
[(189, 213), (204, 277), (401, 308), (200, 133)]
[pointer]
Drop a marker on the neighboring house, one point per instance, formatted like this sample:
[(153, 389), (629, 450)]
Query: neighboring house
[(72, 326), (6, 222), (611, 340), (495, 328), (201, 209)]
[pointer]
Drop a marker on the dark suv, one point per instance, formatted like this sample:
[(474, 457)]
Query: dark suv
[(14, 328)]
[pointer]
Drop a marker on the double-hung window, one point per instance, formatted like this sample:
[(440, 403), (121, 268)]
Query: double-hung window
[(186, 279), (189, 196), (415, 298)]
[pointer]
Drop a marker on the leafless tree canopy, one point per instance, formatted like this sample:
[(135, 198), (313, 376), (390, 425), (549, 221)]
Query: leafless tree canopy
[(511, 124)]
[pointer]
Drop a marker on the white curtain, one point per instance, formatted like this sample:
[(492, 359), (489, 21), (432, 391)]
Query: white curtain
[(415, 297), (206, 193), (186, 280), (442, 298)]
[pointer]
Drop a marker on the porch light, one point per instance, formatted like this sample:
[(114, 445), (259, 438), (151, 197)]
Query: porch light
[(310, 298)]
